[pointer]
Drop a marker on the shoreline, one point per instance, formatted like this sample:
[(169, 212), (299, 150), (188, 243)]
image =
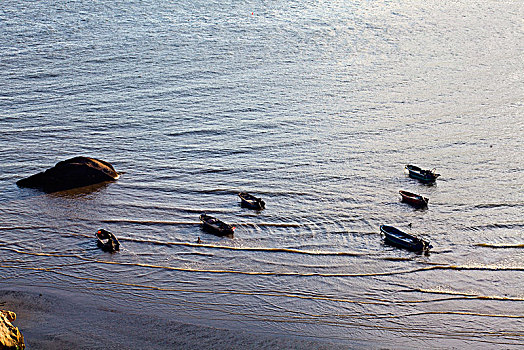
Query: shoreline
[(50, 321)]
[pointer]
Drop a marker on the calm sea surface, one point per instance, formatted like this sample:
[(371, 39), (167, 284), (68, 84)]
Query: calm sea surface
[(316, 106)]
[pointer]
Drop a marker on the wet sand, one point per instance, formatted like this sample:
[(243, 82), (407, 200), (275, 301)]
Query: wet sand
[(51, 321)]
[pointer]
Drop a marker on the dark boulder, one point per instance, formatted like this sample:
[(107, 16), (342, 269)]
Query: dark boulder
[(71, 173)]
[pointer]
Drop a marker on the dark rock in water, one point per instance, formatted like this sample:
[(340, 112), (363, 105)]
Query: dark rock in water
[(71, 173), (10, 336)]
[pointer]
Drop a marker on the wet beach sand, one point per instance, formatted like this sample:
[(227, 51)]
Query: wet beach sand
[(50, 321)]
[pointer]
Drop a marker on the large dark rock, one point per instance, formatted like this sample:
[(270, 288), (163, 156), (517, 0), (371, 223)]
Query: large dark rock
[(71, 173)]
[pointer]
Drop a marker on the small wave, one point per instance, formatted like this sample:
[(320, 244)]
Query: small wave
[(463, 313), (500, 246), (391, 258), (258, 293), (216, 171), (195, 253), (199, 132), (163, 222), (271, 224), (149, 222), (274, 273), (42, 75), (152, 207), (466, 295), (256, 249), (508, 225), (211, 271), (23, 228), (474, 268), (497, 205)]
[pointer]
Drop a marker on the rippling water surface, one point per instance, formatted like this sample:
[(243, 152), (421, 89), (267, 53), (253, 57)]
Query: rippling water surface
[(316, 106)]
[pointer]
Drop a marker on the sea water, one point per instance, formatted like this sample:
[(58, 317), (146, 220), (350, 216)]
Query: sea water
[(315, 106)]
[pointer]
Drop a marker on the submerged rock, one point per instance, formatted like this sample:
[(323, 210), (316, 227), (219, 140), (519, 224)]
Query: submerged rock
[(71, 173), (10, 336)]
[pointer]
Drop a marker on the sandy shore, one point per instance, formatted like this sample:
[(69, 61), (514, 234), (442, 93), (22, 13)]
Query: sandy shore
[(50, 321)]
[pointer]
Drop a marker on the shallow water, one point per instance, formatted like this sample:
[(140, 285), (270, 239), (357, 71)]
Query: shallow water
[(314, 106)]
